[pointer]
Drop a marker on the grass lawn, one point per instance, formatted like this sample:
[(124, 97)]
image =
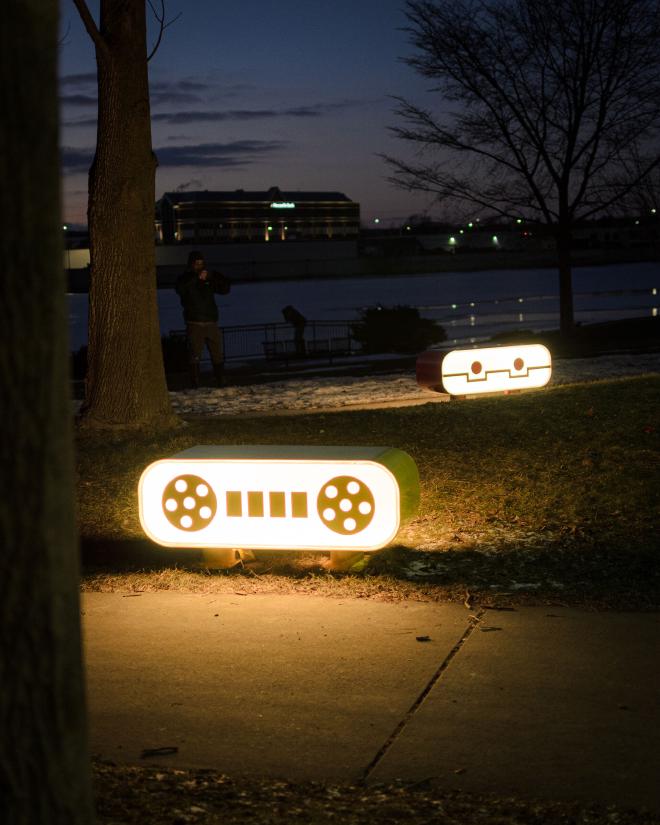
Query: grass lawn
[(548, 496)]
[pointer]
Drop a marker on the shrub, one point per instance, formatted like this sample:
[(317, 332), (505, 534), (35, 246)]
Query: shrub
[(396, 329)]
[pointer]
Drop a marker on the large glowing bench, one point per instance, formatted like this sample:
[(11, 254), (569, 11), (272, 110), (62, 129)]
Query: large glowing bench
[(279, 498), (486, 370)]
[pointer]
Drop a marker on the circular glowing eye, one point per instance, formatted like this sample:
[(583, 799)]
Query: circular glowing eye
[(476, 367), (345, 505), (518, 364), (189, 502)]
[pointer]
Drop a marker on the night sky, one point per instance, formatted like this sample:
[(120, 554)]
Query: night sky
[(254, 94)]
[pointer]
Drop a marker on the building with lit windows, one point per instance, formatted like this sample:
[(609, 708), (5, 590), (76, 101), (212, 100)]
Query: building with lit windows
[(251, 217)]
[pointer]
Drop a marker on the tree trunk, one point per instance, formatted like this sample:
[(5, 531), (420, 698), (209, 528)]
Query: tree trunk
[(44, 763), (564, 260), (125, 384)]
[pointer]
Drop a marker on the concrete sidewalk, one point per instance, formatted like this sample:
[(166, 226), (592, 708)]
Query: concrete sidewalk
[(538, 702)]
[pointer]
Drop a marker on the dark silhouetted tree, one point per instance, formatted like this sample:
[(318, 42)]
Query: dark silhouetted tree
[(643, 200), (545, 106), (125, 384), (44, 762)]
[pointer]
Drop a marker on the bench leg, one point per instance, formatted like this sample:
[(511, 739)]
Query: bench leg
[(220, 559), (343, 560)]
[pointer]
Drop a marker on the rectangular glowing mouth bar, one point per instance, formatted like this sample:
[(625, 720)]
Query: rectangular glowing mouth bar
[(496, 369), (278, 498)]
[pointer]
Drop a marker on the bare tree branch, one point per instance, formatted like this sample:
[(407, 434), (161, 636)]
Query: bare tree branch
[(91, 27), (160, 17), (62, 41)]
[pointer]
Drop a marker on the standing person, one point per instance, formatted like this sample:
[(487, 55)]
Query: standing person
[(298, 322), (196, 288)]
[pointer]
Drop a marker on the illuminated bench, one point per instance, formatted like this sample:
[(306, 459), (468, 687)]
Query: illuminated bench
[(485, 370), (279, 498)]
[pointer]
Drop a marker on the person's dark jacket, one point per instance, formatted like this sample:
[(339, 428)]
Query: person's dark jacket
[(197, 296)]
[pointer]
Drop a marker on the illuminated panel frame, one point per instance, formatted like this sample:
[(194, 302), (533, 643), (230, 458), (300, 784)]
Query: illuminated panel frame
[(496, 369), (278, 498)]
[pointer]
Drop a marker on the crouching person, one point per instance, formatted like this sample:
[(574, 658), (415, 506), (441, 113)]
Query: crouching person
[(197, 288)]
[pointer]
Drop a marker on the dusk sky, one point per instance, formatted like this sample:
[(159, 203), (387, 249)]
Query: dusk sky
[(293, 93)]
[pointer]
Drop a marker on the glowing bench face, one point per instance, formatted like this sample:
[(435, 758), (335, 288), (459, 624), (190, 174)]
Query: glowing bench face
[(278, 498), (496, 369)]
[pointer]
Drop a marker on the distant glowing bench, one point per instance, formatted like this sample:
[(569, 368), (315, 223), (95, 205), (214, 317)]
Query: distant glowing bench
[(485, 370)]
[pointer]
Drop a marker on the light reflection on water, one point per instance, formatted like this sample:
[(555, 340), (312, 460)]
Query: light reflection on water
[(470, 305)]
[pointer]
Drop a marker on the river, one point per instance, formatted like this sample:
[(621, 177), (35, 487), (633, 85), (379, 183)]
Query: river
[(469, 305)]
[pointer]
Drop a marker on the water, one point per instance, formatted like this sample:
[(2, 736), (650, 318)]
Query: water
[(469, 305)]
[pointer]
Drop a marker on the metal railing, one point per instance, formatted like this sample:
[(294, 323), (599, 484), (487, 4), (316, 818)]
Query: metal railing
[(323, 340)]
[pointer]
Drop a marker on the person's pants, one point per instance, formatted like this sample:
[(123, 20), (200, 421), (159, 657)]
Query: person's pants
[(205, 334), (299, 340)]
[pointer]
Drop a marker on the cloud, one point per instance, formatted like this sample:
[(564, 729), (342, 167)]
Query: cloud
[(78, 100), (84, 90), (199, 116), (163, 92), (169, 96), (234, 154), (180, 92), (188, 91), (78, 79), (180, 85), (75, 160), (85, 121)]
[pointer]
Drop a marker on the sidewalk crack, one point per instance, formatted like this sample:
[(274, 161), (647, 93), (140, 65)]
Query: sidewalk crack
[(469, 630)]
